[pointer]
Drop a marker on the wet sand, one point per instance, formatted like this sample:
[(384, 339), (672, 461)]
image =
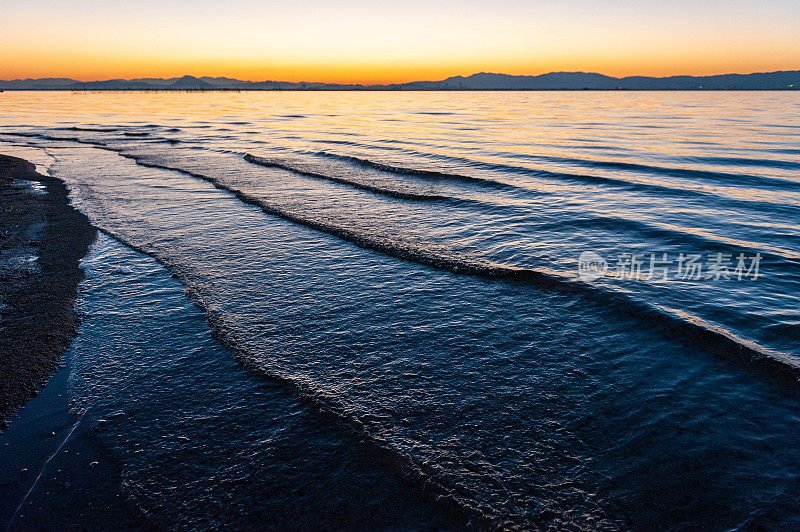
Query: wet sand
[(42, 240), (53, 475)]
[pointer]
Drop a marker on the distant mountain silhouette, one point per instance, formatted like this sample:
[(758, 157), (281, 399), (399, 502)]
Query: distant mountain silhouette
[(551, 81), (41, 84), (782, 80), (190, 83)]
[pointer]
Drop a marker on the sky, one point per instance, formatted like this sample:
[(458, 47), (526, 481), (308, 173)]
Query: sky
[(385, 41)]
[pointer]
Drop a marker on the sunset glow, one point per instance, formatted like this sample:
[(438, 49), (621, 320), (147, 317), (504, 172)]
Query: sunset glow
[(381, 42)]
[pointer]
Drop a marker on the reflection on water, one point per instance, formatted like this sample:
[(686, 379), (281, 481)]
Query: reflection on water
[(408, 264)]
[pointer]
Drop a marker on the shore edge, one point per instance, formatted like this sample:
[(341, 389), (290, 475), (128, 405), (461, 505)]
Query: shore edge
[(42, 241)]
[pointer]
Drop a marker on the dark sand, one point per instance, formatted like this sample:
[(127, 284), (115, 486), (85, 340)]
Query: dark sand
[(37, 318), (53, 476)]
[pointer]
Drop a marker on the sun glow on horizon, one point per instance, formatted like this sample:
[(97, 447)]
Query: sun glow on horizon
[(386, 42)]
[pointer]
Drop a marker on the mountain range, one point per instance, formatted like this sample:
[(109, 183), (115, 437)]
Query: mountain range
[(781, 80)]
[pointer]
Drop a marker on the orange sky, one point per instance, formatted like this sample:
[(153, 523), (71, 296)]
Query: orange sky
[(382, 41)]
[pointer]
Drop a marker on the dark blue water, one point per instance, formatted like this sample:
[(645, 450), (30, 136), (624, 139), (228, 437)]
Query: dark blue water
[(405, 286), (173, 406)]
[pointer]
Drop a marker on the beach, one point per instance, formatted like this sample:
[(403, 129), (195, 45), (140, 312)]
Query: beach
[(66, 463), (53, 475), (43, 239)]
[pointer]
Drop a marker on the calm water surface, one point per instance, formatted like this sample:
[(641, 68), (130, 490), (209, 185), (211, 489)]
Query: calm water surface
[(396, 275)]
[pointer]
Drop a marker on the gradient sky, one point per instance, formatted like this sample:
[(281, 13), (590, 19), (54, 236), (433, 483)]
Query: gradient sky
[(393, 40)]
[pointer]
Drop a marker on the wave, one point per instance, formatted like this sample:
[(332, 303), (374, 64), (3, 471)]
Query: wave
[(434, 174), (671, 234), (610, 223), (95, 129), (394, 193), (272, 163), (727, 179), (495, 167), (19, 134), (720, 177), (791, 151), (421, 476), (620, 183), (613, 224), (686, 328), (706, 175), (43, 136), (744, 161)]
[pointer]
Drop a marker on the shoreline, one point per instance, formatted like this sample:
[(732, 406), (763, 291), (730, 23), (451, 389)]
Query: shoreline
[(53, 474), (42, 241), (57, 472), (59, 468)]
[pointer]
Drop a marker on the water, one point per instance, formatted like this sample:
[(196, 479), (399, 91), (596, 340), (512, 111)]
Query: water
[(402, 270), (200, 440)]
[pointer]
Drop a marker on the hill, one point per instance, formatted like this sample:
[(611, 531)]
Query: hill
[(781, 80)]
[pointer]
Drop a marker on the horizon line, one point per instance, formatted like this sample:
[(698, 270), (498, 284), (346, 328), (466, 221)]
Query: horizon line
[(192, 76)]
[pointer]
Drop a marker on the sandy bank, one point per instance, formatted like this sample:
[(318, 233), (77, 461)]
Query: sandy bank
[(42, 239)]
